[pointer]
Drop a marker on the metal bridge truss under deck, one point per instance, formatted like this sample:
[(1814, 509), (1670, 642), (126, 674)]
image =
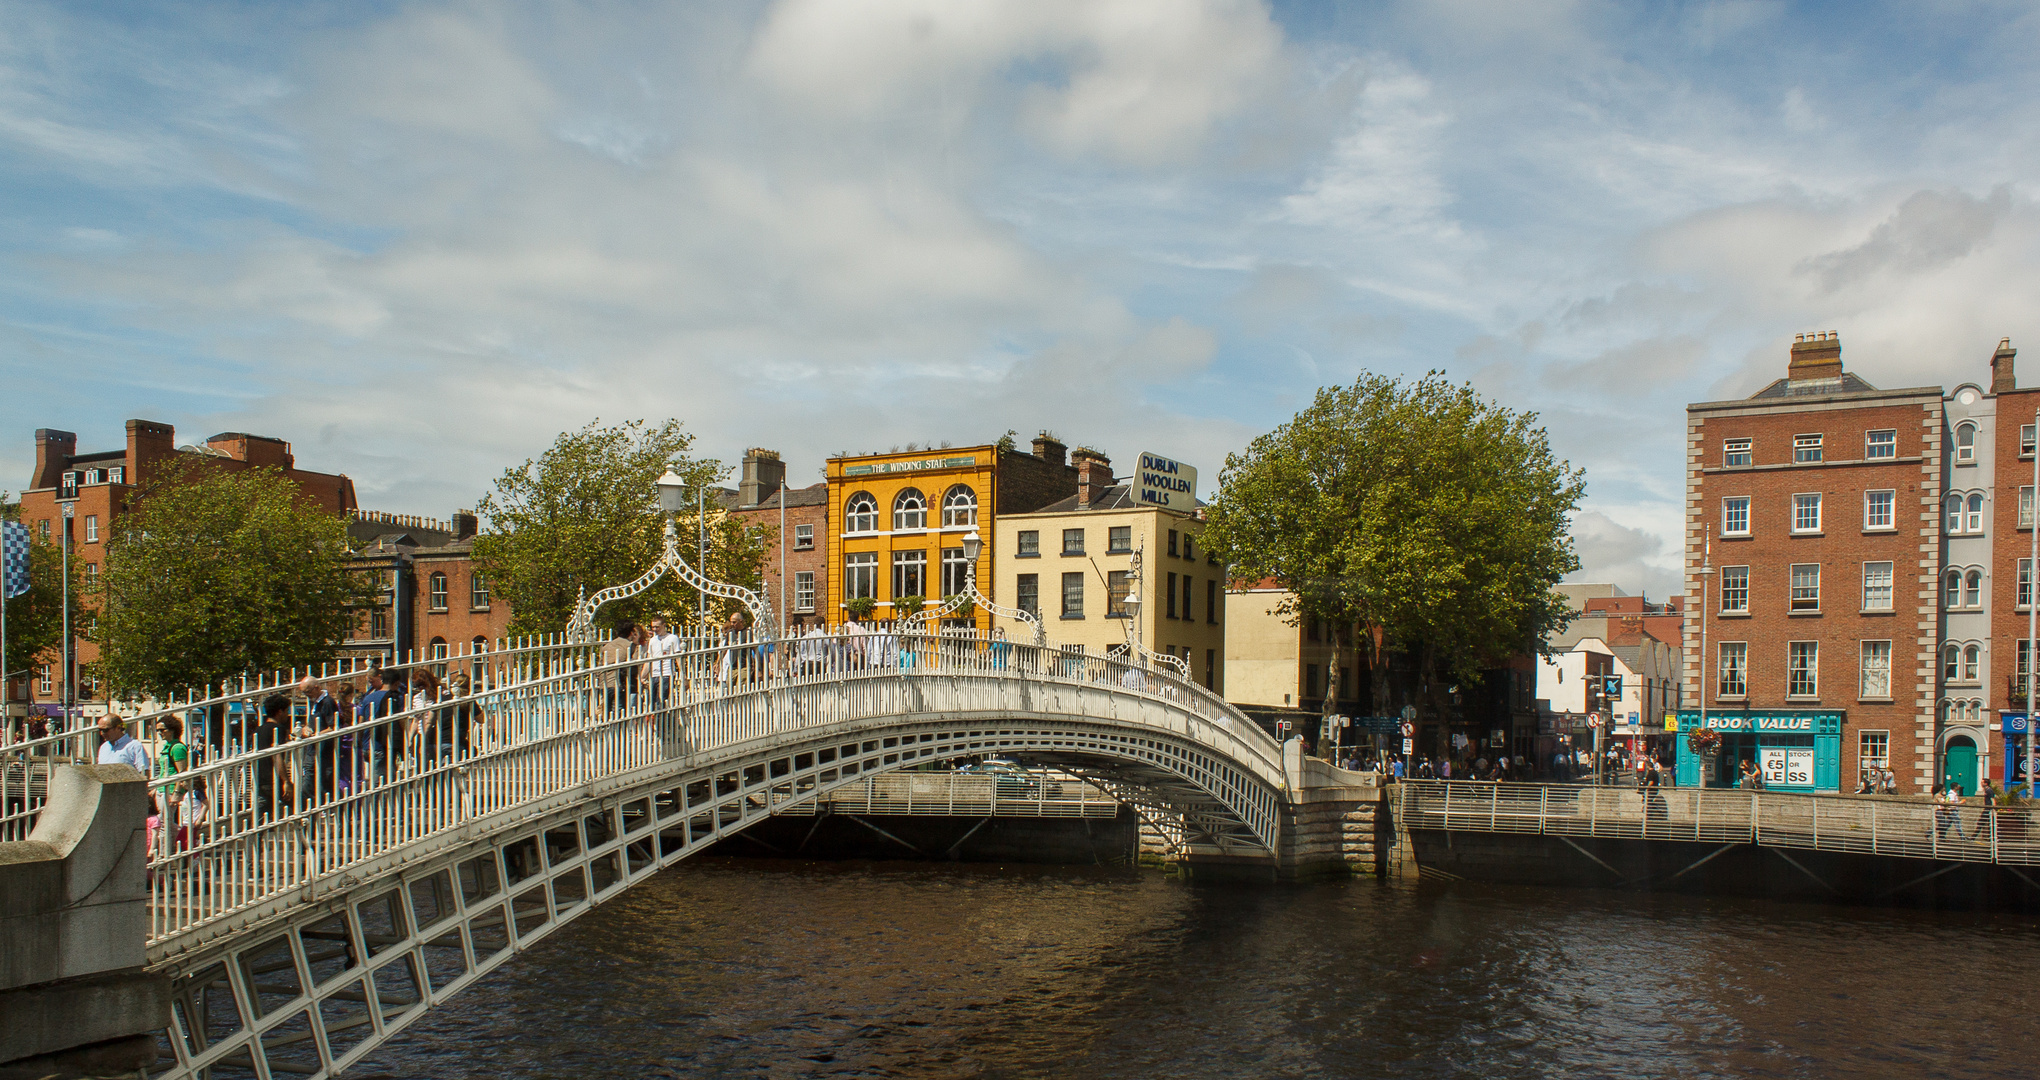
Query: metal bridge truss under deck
[(312, 987)]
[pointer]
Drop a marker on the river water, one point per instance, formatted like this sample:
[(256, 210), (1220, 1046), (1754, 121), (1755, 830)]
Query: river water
[(739, 967)]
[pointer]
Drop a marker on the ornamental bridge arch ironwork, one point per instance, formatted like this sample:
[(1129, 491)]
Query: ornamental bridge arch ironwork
[(337, 886)]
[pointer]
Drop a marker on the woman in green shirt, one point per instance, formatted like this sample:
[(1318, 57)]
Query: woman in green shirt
[(172, 756)]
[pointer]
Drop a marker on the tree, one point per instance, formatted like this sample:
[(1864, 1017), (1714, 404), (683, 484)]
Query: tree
[(585, 516), (1432, 521), (35, 619), (212, 574)]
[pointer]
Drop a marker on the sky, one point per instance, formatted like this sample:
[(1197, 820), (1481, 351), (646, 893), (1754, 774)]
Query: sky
[(420, 240)]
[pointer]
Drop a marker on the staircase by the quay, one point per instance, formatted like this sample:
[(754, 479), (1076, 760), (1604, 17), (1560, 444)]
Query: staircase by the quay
[(1824, 848), (307, 920)]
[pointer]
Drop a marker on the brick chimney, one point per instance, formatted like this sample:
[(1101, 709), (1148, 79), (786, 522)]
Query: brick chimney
[(763, 474), (1816, 357), (1048, 449), (2001, 367), (147, 441), (465, 525), (53, 453), (1094, 475)]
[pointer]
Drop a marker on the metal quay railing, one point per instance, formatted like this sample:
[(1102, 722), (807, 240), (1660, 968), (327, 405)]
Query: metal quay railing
[(1876, 825), (253, 828)]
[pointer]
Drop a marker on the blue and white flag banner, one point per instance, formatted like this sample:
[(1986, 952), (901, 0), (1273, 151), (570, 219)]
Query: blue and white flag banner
[(13, 558)]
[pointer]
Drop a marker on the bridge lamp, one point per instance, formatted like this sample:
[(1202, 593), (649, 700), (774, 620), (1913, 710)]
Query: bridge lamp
[(672, 492), (971, 546)]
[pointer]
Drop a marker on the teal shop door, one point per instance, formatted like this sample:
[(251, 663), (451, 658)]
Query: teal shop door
[(1960, 769)]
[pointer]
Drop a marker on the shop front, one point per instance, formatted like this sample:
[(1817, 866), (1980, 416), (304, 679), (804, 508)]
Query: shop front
[(1797, 750), (2014, 746)]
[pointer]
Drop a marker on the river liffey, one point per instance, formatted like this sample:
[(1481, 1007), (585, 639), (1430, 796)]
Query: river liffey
[(725, 967)]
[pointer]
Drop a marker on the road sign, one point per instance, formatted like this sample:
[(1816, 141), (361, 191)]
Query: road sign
[(1409, 746), (1409, 712), (1409, 730), (1594, 719)]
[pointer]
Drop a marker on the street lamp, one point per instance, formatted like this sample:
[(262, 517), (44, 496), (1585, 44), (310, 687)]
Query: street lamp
[(973, 545), (672, 499), (672, 496)]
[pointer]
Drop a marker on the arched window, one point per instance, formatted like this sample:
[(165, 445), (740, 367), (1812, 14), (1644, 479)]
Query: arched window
[(437, 587), (1971, 663), (1949, 711), (1975, 523), (1954, 513), (861, 514), (1954, 589), (1951, 663), (1974, 710), (959, 507), (910, 510), (1965, 443), (476, 648), (1972, 589), (439, 652)]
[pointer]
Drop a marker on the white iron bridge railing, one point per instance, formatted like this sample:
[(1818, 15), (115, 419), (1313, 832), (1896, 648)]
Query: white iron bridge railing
[(296, 815), (1871, 825)]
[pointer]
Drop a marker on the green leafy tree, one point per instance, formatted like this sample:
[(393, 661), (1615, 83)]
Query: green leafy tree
[(212, 574), (584, 516), (1431, 521), (35, 619)]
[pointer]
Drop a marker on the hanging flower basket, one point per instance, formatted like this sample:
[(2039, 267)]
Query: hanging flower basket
[(1704, 741)]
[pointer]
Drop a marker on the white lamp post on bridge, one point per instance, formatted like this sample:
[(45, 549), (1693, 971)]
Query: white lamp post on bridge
[(673, 499)]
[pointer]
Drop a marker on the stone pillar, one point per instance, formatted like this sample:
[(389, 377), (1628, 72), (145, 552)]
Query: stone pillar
[(74, 929), (1334, 822)]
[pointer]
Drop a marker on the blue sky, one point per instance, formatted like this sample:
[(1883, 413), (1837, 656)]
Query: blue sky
[(418, 240)]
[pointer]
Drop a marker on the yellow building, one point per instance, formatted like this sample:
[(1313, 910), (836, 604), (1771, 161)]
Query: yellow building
[(898, 520), (1274, 660), (1069, 563)]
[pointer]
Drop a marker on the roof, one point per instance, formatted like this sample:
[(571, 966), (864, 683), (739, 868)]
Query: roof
[(811, 495), (1113, 497), (1848, 383)]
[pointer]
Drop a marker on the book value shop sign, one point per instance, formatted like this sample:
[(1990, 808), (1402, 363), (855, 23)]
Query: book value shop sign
[(1781, 723), (1168, 484)]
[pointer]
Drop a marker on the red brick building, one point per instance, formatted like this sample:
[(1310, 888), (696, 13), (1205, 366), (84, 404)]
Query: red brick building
[(801, 550), (100, 483), (1816, 502), (437, 604)]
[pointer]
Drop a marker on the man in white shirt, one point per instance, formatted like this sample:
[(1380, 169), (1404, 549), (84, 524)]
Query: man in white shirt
[(117, 747), (660, 650)]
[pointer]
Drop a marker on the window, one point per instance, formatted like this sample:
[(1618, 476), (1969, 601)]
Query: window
[(1029, 594), (1974, 524), (1952, 592), (1211, 602), (92, 528), (1310, 680), (436, 592), (1735, 452), (1115, 594), (440, 651), (1187, 594), (1951, 662), (1172, 542), (45, 528), (91, 574), (1802, 669), (803, 538), (1877, 586), (1073, 595), (1876, 680), (1972, 663), (909, 574), (1972, 589), (910, 511), (117, 475), (1965, 444), (2025, 440), (1735, 590), (1873, 749), (378, 624), (1735, 516), (1805, 448), (43, 683), (860, 575), (478, 591), (1119, 539), (2025, 596), (1172, 596), (1952, 514), (860, 515), (1210, 667), (1030, 544), (959, 506), (1073, 541), (1805, 586), (1735, 669), (1806, 512), (1877, 509), (2025, 660), (1881, 444), (803, 590), (955, 571), (2026, 507), (1189, 546)]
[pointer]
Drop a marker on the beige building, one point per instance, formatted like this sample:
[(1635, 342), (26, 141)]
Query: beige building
[(1275, 661), (1069, 564)]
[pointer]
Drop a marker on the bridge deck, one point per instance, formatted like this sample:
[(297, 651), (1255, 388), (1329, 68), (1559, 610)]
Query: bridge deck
[(1877, 825)]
